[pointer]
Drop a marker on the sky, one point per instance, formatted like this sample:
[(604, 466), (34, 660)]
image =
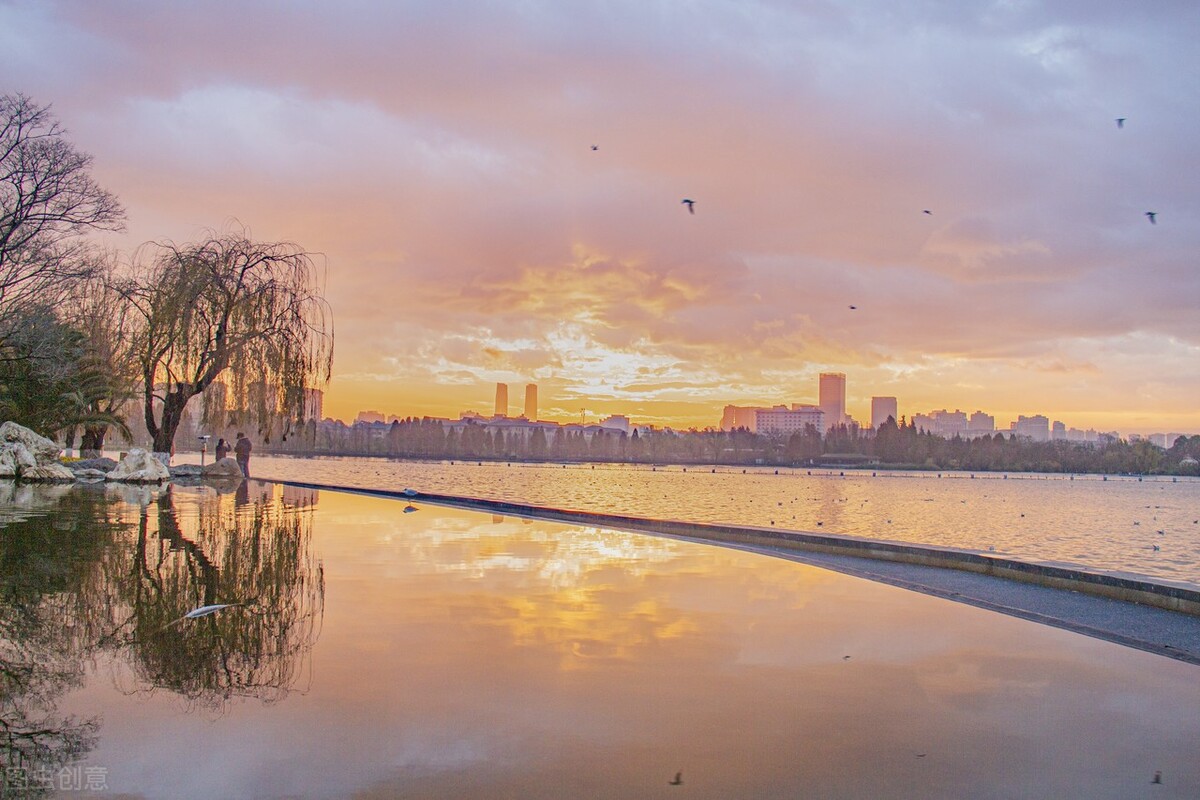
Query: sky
[(438, 157)]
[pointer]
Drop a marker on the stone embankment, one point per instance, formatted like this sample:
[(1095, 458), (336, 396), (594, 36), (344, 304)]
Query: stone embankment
[(28, 456)]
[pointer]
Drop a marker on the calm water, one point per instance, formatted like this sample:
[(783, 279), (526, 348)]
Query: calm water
[(1108, 524), (445, 653)]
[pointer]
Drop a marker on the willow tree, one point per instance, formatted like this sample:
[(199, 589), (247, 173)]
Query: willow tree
[(228, 306)]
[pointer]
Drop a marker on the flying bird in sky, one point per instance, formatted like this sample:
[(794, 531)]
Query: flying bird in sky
[(853, 308), (1120, 122), (1150, 215), (595, 147), (690, 204), (927, 211)]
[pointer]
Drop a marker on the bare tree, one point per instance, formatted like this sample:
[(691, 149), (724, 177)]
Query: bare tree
[(228, 304), (48, 200)]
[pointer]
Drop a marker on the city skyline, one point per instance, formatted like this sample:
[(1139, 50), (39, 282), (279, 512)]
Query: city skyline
[(439, 159)]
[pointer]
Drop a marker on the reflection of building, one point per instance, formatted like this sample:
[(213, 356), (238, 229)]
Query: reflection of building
[(531, 402), (501, 399), (831, 396), (881, 409), (299, 497)]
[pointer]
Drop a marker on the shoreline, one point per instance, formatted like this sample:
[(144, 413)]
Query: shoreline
[(1161, 617)]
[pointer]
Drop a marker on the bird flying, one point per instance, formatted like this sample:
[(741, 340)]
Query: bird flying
[(678, 780), (1150, 215), (1120, 122), (853, 308), (690, 204), (595, 147), (927, 211)]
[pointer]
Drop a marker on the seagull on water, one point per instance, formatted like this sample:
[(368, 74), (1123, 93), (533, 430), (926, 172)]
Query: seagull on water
[(690, 204), (1150, 215)]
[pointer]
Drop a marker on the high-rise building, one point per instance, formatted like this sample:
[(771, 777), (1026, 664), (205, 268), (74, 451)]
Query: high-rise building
[(783, 421), (1036, 427), (832, 398), (531, 402), (501, 399), (881, 409)]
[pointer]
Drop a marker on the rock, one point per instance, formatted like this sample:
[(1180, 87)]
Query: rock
[(102, 464), (185, 471), (47, 472), (15, 458), (138, 466), (44, 450), (225, 468), (90, 475)]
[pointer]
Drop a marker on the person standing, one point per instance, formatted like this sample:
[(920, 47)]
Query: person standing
[(241, 450), (222, 449)]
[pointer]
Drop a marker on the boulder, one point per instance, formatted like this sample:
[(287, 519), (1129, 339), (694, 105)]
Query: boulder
[(15, 459), (44, 450), (47, 472), (90, 475), (138, 466), (185, 471), (102, 464), (225, 468)]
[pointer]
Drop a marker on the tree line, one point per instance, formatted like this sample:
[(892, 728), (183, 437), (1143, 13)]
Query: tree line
[(899, 445), (87, 333)]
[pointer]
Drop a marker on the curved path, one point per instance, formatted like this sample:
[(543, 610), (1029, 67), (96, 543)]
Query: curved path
[(1157, 616)]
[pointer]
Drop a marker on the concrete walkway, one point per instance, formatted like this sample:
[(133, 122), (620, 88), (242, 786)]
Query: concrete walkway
[(1156, 630)]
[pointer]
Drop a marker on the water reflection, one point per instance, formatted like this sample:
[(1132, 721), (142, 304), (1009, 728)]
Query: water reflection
[(257, 557), (99, 572)]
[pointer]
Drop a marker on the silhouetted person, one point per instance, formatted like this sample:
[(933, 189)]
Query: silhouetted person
[(241, 451), (222, 450)]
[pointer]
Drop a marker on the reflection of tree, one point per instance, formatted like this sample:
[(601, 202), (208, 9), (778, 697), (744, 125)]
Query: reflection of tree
[(258, 555), (53, 615)]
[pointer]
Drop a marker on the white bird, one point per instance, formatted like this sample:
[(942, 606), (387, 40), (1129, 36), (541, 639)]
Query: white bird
[(409, 493)]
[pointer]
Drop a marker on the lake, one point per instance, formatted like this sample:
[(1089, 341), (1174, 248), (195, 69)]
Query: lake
[(1102, 524), (451, 654)]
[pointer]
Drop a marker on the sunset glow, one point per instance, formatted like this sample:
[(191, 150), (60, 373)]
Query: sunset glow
[(440, 159)]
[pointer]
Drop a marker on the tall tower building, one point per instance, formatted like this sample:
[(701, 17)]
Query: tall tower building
[(501, 399), (881, 409), (832, 398), (531, 402)]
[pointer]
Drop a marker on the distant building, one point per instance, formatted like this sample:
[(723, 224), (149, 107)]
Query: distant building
[(369, 416), (781, 421), (501, 399), (1036, 427), (314, 404), (981, 424), (1058, 431), (616, 422), (739, 417), (881, 409), (831, 394), (531, 403)]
